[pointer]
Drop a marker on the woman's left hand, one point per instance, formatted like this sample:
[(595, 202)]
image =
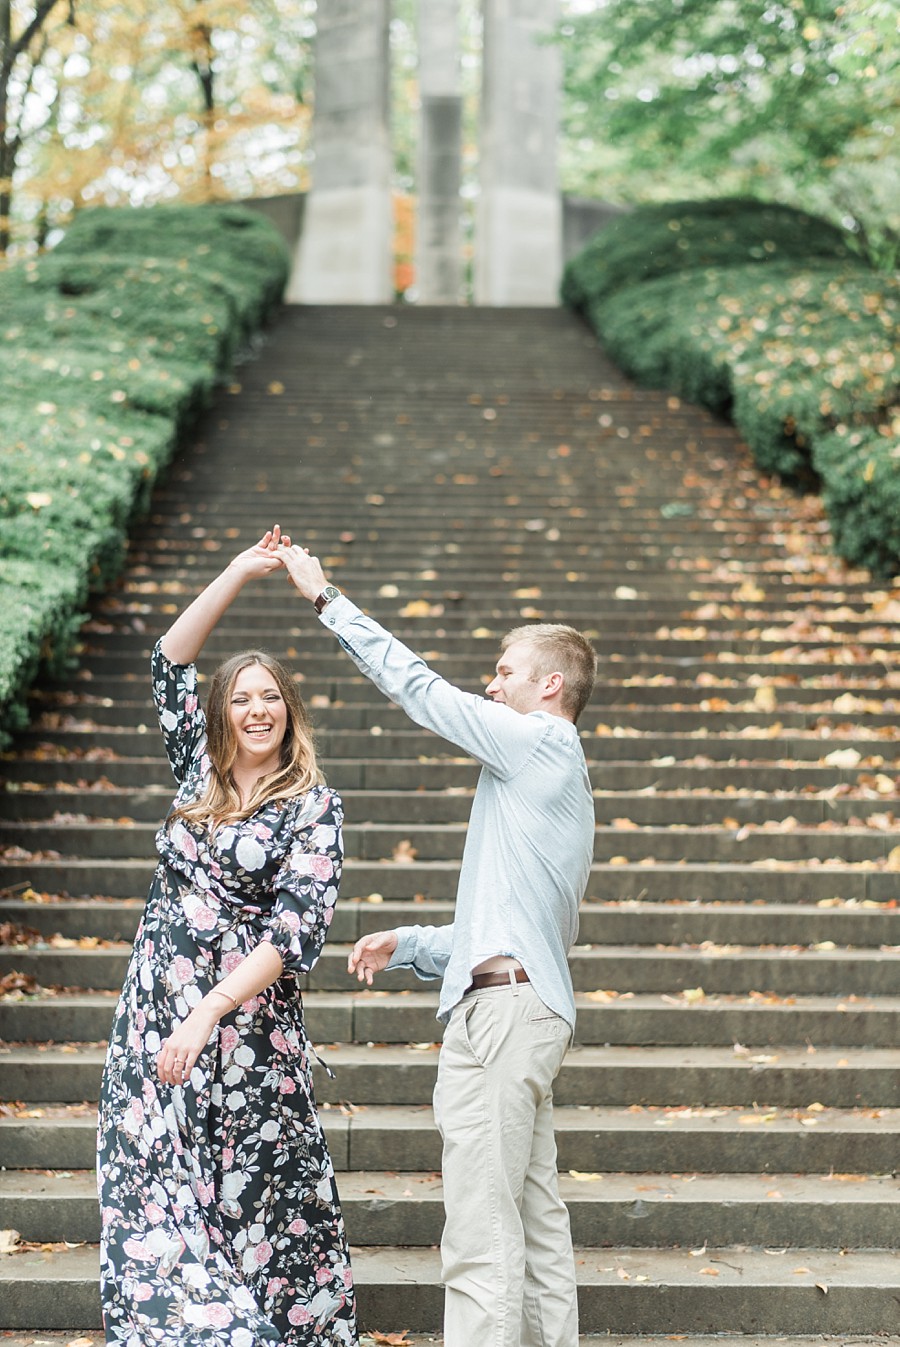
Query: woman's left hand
[(178, 1055)]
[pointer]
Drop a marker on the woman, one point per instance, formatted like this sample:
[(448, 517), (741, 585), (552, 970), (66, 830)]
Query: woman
[(220, 1217)]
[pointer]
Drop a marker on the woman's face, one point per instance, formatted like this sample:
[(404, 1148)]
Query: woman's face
[(259, 719)]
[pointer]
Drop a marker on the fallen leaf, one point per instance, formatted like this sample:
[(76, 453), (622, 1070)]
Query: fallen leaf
[(404, 852)]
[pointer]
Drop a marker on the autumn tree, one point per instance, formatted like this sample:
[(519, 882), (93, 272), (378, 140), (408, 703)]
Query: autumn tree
[(147, 101), (27, 33), (794, 99)]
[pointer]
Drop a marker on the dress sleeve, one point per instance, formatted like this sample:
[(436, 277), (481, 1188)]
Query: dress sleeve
[(306, 886), (181, 717)]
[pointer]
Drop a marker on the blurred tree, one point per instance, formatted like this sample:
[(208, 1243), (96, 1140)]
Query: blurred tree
[(792, 99), (26, 34), (156, 99)]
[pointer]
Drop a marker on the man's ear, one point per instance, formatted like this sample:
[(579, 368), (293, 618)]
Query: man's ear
[(553, 684)]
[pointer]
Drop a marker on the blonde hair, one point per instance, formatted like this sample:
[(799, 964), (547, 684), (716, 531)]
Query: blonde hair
[(560, 649), (297, 771)]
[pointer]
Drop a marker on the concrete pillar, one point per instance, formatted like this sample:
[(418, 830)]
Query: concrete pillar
[(438, 233), (345, 251), (518, 247)]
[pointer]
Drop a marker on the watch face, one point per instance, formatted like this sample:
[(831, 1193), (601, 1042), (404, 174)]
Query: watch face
[(328, 593)]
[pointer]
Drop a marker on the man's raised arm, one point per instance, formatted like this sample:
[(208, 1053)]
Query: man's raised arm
[(495, 735)]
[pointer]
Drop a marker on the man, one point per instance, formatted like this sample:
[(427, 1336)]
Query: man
[(506, 999)]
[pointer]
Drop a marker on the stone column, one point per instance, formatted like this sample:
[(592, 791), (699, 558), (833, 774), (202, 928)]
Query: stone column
[(345, 252), (438, 233), (518, 248)]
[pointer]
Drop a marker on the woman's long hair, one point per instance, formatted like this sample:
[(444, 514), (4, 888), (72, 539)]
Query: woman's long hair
[(297, 771)]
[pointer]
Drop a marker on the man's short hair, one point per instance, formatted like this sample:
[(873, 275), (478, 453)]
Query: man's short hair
[(560, 649)]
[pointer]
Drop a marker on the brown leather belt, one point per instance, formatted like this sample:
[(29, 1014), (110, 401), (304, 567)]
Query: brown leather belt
[(500, 979)]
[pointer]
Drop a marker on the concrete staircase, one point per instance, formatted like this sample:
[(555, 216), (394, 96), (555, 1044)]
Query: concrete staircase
[(728, 1123)]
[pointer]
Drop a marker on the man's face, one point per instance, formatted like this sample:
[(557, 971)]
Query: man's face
[(514, 683)]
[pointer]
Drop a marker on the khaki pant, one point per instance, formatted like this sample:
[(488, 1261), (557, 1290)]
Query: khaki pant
[(508, 1266)]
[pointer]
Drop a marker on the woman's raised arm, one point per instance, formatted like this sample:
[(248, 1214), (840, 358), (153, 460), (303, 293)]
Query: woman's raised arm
[(187, 635)]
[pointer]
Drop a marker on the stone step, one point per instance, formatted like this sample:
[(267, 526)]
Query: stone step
[(686, 882), (643, 1210), (783, 1077), (723, 969), (52, 807), (130, 681), (683, 1139), (651, 1291), (445, 841), (50, 1338), (760, 1019), (31, 774), (858, 924), (766, 743)]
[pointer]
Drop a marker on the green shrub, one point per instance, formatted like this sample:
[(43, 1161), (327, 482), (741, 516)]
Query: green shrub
[(109, 347), (680, 236), (799, 354)]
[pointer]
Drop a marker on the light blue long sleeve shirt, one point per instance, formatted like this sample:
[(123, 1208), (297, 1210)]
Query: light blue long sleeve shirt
[(529, 843)]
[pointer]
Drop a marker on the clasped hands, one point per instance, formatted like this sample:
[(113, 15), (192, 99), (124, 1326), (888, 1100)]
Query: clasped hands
[(273, 552)]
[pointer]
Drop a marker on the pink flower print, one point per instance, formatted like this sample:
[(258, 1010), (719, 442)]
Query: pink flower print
[(205, 1192), (323, 867), (348, 1276), (278, 1041), (135, 1249), (219, 1316), (229, 1038), (328, 916), (299, 1315), (319, 866), (185, 842), (263, 1253), (232, 960), (298, 1227), (203, 918), (140, 1021), (262, 831), (191, 703), (324, 1276), (228, 1157), (291, 921), (183, 969), (154, 1213), (287, 1086), (142, 1291)]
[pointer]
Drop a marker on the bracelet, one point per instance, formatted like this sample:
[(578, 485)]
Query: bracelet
[(217, 991)]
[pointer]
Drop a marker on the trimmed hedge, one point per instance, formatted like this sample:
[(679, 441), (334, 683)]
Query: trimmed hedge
[(792, 339), (109, 347)]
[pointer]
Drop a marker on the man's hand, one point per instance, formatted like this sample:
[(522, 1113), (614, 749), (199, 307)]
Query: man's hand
[(371, 955), (305, 572)]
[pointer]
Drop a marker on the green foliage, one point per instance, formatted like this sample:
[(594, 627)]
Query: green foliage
[(682, 235), (109, 347), (797, 349), (795, 101)]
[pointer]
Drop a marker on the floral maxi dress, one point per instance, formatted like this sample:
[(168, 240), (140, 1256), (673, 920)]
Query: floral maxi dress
[(221, 1225)]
